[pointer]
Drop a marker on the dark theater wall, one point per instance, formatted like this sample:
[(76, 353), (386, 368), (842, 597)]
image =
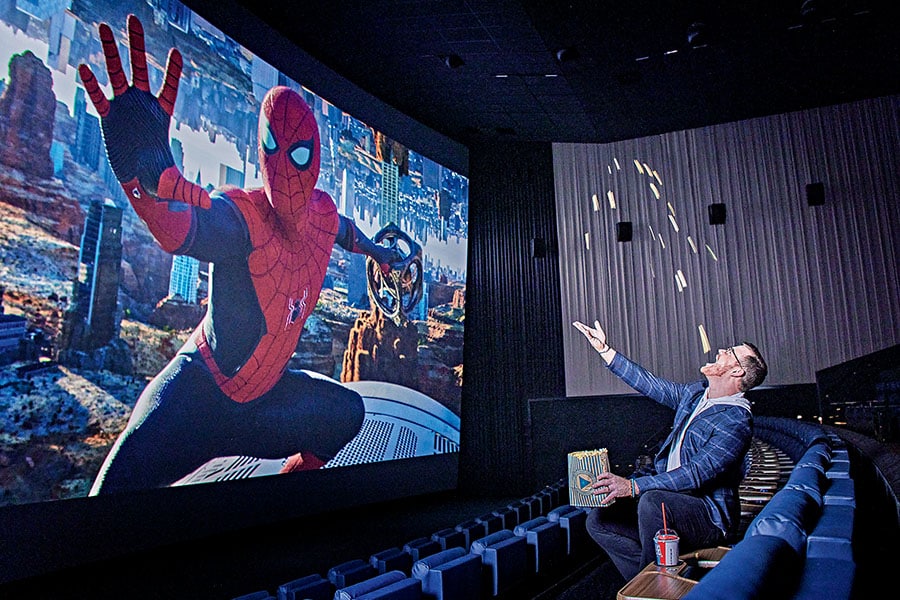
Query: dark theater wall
[(513, 346)]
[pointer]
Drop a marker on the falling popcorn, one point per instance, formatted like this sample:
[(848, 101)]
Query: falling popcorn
[(703, 339)]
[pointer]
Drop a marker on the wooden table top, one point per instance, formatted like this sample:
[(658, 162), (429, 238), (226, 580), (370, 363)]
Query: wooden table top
[(669, 583)]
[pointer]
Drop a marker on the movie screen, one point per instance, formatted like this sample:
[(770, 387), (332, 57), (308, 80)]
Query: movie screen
[(208, 272)]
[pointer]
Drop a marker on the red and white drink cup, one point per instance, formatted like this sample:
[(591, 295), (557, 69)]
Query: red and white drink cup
[(666, 543)]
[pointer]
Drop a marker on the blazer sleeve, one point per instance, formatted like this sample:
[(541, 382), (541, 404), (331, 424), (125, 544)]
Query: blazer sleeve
[(663, 391)]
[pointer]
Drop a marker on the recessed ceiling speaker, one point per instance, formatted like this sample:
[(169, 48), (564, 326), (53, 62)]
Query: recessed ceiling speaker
[(815, 194), (624, 231), (717, 213), (567, 54), (453, 61), (697, 35)]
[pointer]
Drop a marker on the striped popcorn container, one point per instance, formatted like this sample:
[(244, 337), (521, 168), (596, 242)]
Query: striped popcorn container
[(584, 466)]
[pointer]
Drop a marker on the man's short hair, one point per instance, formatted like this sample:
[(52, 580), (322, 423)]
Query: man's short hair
[(755, 369)]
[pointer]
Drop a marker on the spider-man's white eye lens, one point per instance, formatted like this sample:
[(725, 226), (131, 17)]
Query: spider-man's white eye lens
[(301, 154), (266, 138)]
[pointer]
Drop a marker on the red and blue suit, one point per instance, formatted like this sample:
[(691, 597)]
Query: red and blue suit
[(228, 391)]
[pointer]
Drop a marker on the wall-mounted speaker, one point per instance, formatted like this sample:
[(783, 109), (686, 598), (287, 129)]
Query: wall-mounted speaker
[(624, 231), (717, 213), (538, 248), (815, 194)]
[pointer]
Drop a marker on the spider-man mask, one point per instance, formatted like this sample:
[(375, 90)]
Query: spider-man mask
[(288, 152)]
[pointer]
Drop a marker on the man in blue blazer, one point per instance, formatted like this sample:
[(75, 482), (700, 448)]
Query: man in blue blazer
[(698, 468)]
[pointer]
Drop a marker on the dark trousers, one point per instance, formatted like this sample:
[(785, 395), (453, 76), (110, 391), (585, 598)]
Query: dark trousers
[(626, 532)]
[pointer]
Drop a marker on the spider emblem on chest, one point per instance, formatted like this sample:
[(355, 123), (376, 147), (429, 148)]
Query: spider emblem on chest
[(296, 308)]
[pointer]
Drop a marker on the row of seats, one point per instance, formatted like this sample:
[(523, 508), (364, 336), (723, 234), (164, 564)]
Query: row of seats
[(484, 557), (793, 437), (800, 543), (769, 470)]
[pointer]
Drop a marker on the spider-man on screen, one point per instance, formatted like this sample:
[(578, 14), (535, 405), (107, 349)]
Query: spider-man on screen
[(227, 391)]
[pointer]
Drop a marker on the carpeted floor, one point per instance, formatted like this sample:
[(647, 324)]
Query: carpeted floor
[(601, 581)]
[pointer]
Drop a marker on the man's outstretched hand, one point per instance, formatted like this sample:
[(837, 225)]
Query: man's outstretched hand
[(135, 123), (595, 335)]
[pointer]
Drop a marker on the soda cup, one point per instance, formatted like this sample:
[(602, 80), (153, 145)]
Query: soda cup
[(666, 543)]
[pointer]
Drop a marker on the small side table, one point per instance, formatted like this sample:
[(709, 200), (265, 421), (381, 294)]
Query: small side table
[(671, 583)]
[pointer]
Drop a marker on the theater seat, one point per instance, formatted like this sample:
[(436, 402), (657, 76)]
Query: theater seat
[(406, 589), (816, 457), (572, 520), (544, 503), (842, 492), (555, 498), (832, 535), (534, 507), (367, 586), (419, 548), (260, 595), (392, 559), (504, 560), (807, 482), (789, 515), (838, 470), (758, 567), (546, 544), (826, 578), (840, 455), (492, 523), (311, 587), (450, 538), (522, 511), (508, 517), (350, 572), (473, 530), (450, 574)]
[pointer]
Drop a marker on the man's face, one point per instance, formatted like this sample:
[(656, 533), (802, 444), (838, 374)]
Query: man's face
[(728, 360)]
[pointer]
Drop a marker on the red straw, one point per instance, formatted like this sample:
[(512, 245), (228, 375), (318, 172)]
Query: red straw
[(665, 529)]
